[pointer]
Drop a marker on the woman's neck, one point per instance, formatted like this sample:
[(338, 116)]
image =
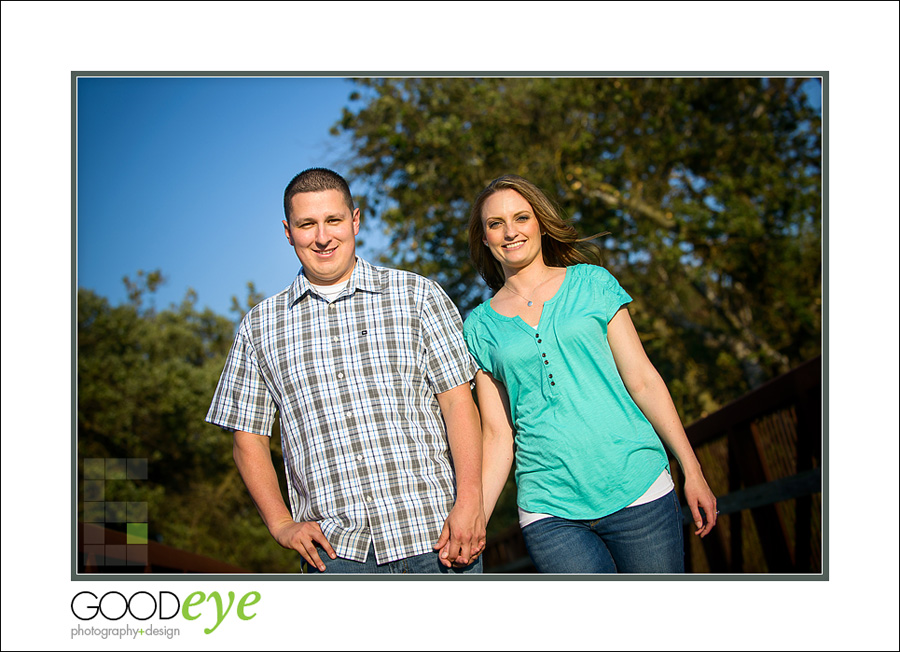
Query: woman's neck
[(527, 278)]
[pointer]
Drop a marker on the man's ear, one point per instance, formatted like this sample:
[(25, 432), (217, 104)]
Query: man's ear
[(287, 232), (356, 215)]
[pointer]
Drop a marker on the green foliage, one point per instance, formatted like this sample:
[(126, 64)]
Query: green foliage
[(145, 382), (711, 189)]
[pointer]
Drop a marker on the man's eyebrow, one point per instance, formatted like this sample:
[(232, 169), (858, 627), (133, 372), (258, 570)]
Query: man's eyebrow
[(306, 220)]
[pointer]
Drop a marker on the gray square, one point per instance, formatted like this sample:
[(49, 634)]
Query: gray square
[(94, 490), (137, 512), (115, 512), (115, 468), (136, 468), (94, 468), (94, 512)]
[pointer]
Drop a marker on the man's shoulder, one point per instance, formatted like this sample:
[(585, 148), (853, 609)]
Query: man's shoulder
[(269, 306), (393, 273), (403, 280)]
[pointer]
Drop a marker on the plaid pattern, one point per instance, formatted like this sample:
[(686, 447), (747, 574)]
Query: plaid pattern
[(354, 382)]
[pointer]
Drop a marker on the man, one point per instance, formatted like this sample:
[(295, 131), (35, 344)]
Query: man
[(365, 366)]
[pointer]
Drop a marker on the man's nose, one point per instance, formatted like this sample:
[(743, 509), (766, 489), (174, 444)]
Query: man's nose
[(322, 236)]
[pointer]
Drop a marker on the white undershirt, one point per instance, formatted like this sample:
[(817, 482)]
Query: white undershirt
[(330, 292), (660, 487)]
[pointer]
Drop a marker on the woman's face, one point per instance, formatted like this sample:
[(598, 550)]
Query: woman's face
[(511, 229)]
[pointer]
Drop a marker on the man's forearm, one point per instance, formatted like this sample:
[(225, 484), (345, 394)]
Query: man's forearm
[(464, 437), (254, 462)]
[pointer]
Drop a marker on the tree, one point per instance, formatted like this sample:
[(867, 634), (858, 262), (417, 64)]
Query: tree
[(711, 189), (145, 382)]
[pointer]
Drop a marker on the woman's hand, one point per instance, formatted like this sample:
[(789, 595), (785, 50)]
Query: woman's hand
[(699, 496)]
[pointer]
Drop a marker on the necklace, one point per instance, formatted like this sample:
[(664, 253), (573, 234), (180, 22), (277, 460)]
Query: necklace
[(529, 301)]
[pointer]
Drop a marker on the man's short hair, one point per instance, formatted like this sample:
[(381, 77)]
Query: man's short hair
[(316, 180)]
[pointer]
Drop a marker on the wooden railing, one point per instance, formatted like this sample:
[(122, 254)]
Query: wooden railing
[(762, 458)]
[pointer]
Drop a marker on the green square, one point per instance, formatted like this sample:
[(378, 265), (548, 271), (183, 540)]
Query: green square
[(94, 468), (137, 533)]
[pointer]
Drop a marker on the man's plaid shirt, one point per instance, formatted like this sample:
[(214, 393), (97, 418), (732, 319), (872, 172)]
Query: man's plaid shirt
[(354, 381)]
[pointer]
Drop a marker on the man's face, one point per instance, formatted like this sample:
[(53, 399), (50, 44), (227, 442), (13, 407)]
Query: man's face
[(322, 231)]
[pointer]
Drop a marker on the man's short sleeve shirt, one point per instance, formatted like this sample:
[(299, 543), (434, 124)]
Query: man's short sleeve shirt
[(354, 382)]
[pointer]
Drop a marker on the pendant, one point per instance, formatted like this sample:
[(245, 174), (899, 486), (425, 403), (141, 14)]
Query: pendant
[(530, 303)]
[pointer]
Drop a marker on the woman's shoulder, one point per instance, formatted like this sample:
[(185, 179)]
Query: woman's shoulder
[(588, 273), (477, 317)]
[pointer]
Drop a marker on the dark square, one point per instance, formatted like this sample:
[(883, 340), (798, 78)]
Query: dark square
[(138, 555), (94, 555), (116, 555), (93, 534)]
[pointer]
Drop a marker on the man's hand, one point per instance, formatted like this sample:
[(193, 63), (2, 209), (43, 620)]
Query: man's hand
[(463, 535), (303, 538)]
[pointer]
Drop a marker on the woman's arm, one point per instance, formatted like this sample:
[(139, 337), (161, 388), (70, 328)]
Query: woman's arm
[(652, 397), (497, 431)]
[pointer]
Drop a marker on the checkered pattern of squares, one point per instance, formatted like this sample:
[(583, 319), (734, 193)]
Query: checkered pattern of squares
[(98, 473)]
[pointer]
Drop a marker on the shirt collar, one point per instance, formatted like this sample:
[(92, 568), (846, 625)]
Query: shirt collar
[(365, 277)]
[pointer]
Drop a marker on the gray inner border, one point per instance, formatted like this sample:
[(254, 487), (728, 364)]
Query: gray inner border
[(193, 577)]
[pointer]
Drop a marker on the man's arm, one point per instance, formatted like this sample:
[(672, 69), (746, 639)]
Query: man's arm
[(652, 396), (463, 536), (254, 462)]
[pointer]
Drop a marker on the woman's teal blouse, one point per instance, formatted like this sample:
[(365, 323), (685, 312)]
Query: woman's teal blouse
[(583, 448)]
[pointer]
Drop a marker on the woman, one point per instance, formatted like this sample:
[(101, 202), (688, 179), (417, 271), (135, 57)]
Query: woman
[(564, 374)]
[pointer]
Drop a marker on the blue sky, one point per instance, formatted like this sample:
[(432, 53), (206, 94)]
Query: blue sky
[(186, 175)]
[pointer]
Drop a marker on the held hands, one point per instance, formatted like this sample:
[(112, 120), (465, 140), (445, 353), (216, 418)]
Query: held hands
[(463, 535), (698, 495), (303, 538)]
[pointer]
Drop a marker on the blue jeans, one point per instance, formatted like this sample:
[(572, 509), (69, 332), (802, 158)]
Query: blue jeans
[(425, 563), (647, 538)]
